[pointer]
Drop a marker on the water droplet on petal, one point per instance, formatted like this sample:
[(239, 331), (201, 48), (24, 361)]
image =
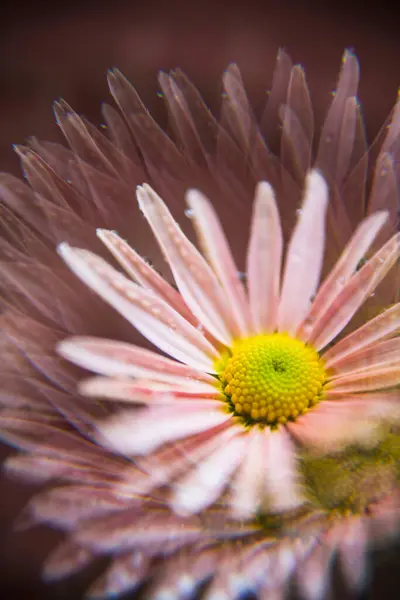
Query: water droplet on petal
[(189, 212)]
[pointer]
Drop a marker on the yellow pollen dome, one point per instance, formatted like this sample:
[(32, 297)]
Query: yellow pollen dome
[(272, 378)]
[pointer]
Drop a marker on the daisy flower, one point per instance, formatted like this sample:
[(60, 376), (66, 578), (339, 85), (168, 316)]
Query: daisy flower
[(254, 369), (256, 359)]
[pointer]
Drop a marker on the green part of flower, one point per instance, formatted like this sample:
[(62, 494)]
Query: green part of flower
[(354, 479), (271, 379)]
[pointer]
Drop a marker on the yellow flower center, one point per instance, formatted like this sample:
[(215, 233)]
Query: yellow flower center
[(271, 378)]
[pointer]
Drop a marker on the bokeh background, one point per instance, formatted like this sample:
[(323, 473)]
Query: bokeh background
[(56, 50)]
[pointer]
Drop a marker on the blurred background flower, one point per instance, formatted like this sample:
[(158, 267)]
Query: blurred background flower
[(48, 53)]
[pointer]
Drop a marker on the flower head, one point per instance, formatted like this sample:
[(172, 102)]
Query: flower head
[(263, 378), (252, 368)]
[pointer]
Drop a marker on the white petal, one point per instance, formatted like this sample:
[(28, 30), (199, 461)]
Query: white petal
[(157, 321), (380, 328), (345, 267), (140, 432), (195, 279), (264, 260), (142, 272), (109, 357), (248, 488), (305, 256), (216, 248), (354, 293), (145, 391), (281, 472), (202, 486)]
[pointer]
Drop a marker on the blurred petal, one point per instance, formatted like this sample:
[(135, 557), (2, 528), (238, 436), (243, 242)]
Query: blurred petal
[(202, 486), (248, 489), (281, 473), (139, 432)]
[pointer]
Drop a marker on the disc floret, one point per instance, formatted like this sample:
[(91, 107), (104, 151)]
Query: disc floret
[(272, 379)]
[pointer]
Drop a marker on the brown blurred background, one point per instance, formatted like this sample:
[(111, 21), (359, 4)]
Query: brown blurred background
[(53, 51)]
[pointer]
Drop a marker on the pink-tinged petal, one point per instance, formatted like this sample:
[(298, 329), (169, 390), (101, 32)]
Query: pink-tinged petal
[(216, 248), (304, 256), (125, 574), (381, 327), (314, 574), (168, 463), (369, 379), (139, 529), (248, 487), (345, 420), (353, 546), (381, 354), (183, 573), (353, 294), (142, 272), (155, 319), (140, 432), (109, 357), (205, 483), (149, 392), (345, 267), (281, 472), (65, 560), (264, 260), (195, 279), (66, 506)]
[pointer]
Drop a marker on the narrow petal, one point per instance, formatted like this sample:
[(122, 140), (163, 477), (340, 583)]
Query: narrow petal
[(353, 294), (305, 256), (382, 354), (157, 321), (264, 260), (248, 487), (281, 473), (145, 391), (125, 574), (337, 423), (170, 462), (369, 379), (140, 432), (202, 486), (314, 574), (381, 327), (138, 529), (142, 272), (66, 559), (345, 267), (216, 248), (194, 277), (109, 357), (353, 548)]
